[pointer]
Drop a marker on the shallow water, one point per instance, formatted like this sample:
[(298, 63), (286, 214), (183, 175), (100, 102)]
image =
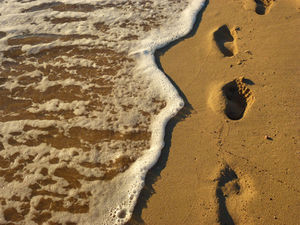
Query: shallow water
[(83, 105)]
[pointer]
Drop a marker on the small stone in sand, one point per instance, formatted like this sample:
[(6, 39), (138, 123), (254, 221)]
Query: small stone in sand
[(268, 138)]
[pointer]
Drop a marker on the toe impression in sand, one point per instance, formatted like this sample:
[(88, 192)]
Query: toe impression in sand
[(238, 98), (233, 99)]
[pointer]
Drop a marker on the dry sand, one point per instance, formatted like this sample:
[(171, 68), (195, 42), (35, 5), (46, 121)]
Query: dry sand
[(235, 159)]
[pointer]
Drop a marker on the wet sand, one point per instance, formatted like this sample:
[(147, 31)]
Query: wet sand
[(234, 159)]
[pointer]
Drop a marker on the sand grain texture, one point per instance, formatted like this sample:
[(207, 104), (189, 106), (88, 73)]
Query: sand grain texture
[(223, 170)]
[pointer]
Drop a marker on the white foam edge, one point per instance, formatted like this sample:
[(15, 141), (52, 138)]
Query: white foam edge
[(146, 62), (162, 34), (138, 170)]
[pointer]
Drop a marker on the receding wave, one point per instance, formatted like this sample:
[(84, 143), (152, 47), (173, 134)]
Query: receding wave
[(83, 106)]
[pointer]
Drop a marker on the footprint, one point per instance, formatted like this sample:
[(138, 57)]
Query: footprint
[(225, 40), (238, 97), (228, 185), (234, 192), (263, 6)]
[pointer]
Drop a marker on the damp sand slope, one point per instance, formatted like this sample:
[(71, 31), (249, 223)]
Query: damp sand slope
[(235, 160)]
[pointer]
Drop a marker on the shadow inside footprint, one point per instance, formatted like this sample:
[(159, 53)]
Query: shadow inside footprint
[(262, 6), (221, 36), (227, 178), (238, 96)]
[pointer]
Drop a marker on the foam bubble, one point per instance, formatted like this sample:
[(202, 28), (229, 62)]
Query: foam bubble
[(85, 103)]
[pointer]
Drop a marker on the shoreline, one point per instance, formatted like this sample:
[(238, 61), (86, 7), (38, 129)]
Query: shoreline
[(213, 169), (154, 173)]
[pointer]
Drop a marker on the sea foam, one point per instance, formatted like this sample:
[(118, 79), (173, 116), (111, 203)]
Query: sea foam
[(83, 105)]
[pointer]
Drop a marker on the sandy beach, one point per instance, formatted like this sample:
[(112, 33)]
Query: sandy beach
[(83, 107), (232, 154)]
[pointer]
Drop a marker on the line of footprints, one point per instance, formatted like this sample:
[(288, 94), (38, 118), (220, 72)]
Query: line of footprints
[(238, 97)]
